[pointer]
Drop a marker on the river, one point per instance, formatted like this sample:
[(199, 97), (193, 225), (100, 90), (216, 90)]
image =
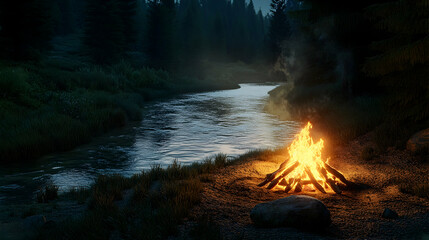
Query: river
[(189, 128)]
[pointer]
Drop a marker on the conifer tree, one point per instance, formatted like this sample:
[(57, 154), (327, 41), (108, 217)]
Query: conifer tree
[(402, 65), (104, 38), (279, 27), (26, 28), (160, 46)]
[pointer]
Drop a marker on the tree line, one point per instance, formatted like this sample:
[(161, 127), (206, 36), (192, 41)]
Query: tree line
[(170, 34), (356, 52)]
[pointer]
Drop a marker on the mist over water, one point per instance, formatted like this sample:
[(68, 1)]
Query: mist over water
[(188, 128)]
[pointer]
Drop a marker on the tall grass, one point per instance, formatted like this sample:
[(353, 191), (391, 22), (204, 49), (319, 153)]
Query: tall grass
[(46, 108), (161, 199)]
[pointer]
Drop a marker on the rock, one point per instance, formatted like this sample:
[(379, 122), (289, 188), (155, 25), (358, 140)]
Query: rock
[(298, 211), (34, 222), (419, 141), (389, 213)]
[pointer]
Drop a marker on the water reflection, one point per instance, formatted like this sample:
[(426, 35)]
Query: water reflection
[(187, 128)]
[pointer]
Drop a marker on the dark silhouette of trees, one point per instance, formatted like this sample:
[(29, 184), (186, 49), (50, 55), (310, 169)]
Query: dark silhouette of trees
[(160, 34), (25, 28), (109, 29), (279, 27), (401, 62)]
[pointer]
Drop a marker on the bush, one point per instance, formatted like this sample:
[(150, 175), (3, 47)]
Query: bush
[(13, 84)]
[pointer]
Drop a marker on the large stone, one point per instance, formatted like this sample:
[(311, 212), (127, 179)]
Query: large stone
[(419, 141), (298, 211)]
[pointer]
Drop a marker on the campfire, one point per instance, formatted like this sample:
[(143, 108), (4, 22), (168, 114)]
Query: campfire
[(305, 168)]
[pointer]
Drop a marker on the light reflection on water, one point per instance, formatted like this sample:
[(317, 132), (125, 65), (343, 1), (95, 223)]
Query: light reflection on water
[(188, 128)]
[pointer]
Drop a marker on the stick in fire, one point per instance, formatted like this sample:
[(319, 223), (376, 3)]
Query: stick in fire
[(306, 167)]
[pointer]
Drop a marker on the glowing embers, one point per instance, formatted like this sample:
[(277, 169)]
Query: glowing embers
[(305, 168)]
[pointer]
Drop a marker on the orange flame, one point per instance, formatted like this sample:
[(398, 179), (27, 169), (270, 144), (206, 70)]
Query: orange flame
[(307, 153)]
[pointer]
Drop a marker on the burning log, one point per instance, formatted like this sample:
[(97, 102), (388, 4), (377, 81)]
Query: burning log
[(308, 167), (314, 181), (284, 174), (298, 187), (290, 185), (274, 174), (329, 181), (337, 174)]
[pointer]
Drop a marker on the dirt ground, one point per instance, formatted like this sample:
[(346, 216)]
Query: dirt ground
[(356, 214)]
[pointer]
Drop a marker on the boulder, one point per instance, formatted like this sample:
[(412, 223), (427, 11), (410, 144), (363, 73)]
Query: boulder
[(298, 211), (419, 141)]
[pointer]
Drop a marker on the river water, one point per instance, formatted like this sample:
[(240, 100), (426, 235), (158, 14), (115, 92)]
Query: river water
[(188, 128)]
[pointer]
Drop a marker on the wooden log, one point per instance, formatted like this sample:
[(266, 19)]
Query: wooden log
[(298, 187), (271, 176), (283, 182), (333, 185), (284, 174), (314, 181), (329, 181), (290, 185), (337, 174)]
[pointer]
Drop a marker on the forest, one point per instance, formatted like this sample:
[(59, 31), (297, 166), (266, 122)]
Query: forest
[(84, 67), (165, 119)]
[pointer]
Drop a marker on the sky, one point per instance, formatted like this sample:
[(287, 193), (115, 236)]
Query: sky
[(264, 5)]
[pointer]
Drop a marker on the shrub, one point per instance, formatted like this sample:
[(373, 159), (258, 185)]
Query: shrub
[(13, 84)]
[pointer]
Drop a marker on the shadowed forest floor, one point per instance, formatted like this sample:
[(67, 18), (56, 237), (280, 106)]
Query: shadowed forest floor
[(231, 193)]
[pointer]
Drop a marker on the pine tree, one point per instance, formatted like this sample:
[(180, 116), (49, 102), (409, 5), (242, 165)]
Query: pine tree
[(25, 28), (104, 39), (160, 46), (402, 65), (127, 11), (279, 27), (191, 31)]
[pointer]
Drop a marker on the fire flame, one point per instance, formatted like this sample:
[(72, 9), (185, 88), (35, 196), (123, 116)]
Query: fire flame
[(305, 167), (307, 153)]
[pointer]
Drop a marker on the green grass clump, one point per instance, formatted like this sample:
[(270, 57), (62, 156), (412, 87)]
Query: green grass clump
[(161, 199)]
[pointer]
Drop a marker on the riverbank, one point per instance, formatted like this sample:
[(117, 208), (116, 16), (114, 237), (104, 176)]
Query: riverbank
[(396, 180), (212, 200), (51, 107)]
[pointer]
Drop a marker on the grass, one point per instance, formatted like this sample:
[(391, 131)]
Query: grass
[(55, 106), (161, 199)]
